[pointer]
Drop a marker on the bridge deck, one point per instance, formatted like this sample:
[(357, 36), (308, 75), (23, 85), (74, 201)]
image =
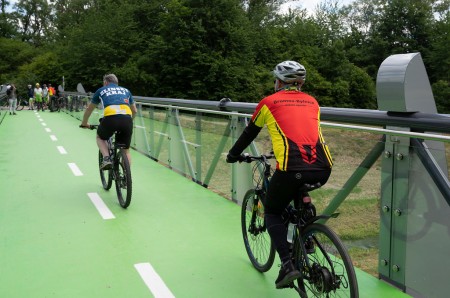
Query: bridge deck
[(177, 238)]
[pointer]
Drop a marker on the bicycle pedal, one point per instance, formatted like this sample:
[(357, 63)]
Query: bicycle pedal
[(289, 286)]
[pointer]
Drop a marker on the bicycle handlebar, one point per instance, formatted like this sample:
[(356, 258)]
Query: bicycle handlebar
[(91, 126), (263, 157), (249, 158)]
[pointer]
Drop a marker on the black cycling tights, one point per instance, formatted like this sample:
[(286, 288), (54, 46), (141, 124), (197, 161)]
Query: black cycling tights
[(283, 188)]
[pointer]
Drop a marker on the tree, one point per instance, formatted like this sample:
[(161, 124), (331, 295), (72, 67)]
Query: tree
[(441, 91), (203, 51), (13, 53), (35, 21), (3, 5), (439, 58)]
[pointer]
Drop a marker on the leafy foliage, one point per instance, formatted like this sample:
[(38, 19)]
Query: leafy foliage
[(200, 49)]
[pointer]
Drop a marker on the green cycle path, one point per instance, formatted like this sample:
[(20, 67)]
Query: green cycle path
[(62, 235)]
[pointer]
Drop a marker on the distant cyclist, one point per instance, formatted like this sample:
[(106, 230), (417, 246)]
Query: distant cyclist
[(293, 120), (118, 113)]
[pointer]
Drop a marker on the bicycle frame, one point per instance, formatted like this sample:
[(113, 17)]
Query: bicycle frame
[(322, 274), (120, 171)]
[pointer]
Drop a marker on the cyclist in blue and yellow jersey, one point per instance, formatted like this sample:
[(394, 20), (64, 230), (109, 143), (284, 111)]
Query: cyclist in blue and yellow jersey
[(118, 113), (292, 118)]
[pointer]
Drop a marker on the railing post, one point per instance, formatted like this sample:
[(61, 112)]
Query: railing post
[(414, 233), (240, 172)]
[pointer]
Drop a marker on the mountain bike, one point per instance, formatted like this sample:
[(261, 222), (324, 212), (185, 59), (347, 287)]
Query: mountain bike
[(21, 104), (4, 102), (120, 171), (56, 104), (316, 250)]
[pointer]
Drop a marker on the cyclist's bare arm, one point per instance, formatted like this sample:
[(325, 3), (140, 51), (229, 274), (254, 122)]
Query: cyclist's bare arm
[(87, 113), (133, 110)]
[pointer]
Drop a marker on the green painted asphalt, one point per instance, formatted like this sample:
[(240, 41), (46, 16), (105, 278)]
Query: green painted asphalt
[(55, 243)]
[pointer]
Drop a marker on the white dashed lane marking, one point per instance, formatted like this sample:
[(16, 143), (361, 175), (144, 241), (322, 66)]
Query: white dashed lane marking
[(61, 149), (100, 206), (153, 281), (75, 170)]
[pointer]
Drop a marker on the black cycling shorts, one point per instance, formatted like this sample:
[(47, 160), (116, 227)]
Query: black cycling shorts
[(123, 124), (283, 187)]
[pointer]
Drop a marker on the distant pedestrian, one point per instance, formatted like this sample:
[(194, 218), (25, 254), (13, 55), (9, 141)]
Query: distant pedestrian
[(51, 95), (30, 94), (38, 97), (45, 95), (11, 92)]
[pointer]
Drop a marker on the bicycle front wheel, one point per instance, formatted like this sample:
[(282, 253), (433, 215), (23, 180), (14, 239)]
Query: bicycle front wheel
[(105, 175), (122, 174), (20, 105), (53, 106), (257, 241), (330, 271)]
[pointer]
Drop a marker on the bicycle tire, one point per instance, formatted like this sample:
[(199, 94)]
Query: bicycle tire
[(105, 175), (331, 272), (122, 174), (258, 244), (20, 105), (53, 107)]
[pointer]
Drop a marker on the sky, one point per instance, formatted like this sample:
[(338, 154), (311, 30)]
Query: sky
[(310, 5)]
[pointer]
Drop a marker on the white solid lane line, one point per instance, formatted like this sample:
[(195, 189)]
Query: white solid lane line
[(75, 170), (101, 206), (153, 281), (61, 149)]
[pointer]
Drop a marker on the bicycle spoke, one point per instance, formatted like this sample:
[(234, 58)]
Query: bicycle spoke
[(330, 272), (256, 238), (123, 179)]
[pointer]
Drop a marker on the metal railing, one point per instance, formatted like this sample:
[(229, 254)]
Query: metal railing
[(192, 138), (420, 126)]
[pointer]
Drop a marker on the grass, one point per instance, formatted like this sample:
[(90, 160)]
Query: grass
[(358, 223)]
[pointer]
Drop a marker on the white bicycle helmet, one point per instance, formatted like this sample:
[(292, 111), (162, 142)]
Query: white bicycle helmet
[(290, 72)]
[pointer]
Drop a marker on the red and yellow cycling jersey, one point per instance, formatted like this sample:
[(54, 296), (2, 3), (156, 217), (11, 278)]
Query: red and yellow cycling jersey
[(293, 120)]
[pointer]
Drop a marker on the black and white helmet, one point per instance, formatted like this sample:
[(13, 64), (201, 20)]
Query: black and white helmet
[(290, 72)]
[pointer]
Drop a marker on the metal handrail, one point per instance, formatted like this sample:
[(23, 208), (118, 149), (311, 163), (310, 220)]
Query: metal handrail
[(421, 135), (419, 123)]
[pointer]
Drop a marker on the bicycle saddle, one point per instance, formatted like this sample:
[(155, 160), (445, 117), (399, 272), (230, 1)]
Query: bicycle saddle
[(308, 187)]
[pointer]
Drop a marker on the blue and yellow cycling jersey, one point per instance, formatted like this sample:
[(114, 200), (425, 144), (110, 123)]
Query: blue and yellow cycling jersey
[(116, 100)]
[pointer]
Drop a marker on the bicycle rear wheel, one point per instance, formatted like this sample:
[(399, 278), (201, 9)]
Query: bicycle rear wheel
[(258, 244), (20, 105), (105, 175), (330, 272), (54, 106), (122, 174)]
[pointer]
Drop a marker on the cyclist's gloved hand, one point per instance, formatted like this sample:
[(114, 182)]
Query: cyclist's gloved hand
[(232, 158)]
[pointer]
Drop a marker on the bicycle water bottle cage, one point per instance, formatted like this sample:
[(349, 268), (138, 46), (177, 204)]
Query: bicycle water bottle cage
[(259, 191), (289, 215)]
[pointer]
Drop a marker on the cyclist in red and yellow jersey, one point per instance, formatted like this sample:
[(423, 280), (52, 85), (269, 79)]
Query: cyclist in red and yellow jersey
[(293, 120)]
